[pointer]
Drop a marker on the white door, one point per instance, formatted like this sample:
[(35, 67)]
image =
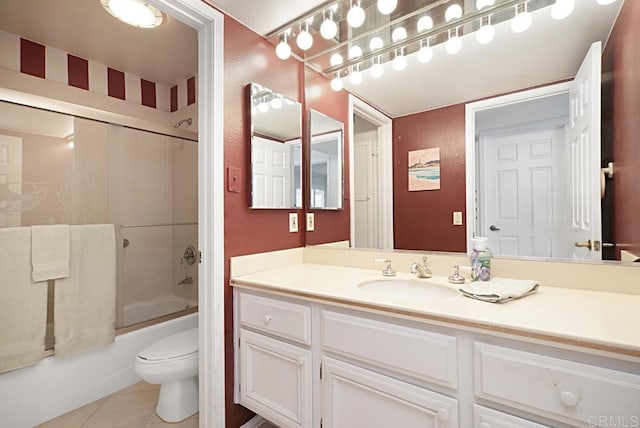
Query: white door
[(522, 195), (365, 179), (271, 176), (10, 180), (356, 397), (275, 380), (584, 134)]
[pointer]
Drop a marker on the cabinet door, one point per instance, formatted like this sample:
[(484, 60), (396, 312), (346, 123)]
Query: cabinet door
[(356, 397), (489, 418), (275, 380)]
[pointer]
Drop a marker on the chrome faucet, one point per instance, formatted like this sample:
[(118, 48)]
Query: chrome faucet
[(421, 270)]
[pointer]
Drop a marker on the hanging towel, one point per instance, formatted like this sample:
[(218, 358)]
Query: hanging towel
[(50, 252), (499, 290), (23, 303), (85, 301)]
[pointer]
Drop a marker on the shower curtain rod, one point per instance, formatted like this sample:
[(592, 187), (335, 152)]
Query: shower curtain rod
[(125, 226)]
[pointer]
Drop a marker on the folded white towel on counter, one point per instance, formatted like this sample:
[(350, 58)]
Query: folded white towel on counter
[(499, 290), (50, 252)]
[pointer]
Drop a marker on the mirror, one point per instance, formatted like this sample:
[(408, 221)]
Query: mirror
[(448, 127), (326, 162), (276, 149)]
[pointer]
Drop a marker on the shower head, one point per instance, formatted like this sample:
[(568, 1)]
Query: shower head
[(188, 121)]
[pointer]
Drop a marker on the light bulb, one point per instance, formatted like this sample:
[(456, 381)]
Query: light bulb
[(425, 54), (263, 107), (328, 28), (481, 4), (376, 43), (355, 16), (70, 144), (522, 21), (453, 12), (336, 59), (276, 103), (399, 33), (376, 70), (605, 2), (134, 12), (454, 44), (304, 39), (562, 9), (385, 7), (399, 63), (485, 34), (355, 77), (424, 23), (355, 52), (336, 84), (283, 50)]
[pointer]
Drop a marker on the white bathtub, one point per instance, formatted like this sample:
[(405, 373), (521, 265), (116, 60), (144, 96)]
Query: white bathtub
[(150, 309), (55, 386)]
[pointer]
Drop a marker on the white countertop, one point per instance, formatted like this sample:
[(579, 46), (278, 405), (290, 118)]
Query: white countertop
[(593, 319)]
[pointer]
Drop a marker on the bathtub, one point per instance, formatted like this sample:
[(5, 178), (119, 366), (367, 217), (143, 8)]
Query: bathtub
[(150, 309), (56, 386)]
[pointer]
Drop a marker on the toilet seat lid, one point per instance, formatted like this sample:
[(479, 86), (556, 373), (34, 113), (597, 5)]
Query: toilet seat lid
[(175, 346)]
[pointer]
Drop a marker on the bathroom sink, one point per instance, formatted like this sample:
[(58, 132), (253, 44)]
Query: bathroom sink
[(407, 288)]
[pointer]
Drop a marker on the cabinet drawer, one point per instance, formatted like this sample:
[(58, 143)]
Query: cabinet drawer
[(279, 318), (416, 353), (489, 418), (356, 397), (555, 388)]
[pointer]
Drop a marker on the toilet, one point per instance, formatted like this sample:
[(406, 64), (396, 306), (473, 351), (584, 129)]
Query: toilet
[(172, 362)]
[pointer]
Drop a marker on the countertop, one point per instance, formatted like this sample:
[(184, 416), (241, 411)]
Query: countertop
[(597, 320)]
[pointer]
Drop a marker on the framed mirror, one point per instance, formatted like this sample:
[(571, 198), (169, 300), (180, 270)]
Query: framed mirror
[(276, 149), (326, 162)]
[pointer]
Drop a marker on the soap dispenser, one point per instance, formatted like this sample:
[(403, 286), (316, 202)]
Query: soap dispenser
[(480, 259)]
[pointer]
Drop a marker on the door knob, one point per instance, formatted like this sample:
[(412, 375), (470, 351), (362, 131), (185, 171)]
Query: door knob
[(493, 228), (584, 244)]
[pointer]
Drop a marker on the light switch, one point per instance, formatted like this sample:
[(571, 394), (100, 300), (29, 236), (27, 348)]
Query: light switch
[(233, 179), (311, 222), (293, 222), (457, 218)]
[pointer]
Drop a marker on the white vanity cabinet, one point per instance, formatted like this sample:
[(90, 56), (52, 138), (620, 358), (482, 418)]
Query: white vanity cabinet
[(357, 367), (275, 363)]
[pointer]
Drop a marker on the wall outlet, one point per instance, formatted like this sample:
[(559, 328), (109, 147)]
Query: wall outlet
[(311, 222), (293, 222), (457, 218)]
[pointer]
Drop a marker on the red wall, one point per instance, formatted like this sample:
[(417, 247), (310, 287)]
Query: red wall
[(622, 65), (423, 220), (330, 226), (249, 58)]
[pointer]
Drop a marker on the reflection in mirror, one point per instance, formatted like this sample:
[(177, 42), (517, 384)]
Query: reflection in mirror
[(276, 149), (326, 163), (443, 127)]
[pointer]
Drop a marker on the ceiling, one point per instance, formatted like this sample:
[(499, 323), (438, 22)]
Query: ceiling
[(549, 51), (167, 54)]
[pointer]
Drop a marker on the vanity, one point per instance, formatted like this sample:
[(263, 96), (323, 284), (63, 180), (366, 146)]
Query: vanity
[(315, 347)]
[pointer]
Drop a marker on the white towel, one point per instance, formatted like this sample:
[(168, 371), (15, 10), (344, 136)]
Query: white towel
[(85, 301), (499, 290), (23, 303), (50, 251)]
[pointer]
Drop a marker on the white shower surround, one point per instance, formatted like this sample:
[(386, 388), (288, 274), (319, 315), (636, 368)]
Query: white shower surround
[(55, 386)]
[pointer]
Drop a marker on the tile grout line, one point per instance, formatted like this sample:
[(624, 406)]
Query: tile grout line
[(103, 399)]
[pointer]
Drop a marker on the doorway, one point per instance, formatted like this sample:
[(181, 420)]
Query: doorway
[(370, 176)]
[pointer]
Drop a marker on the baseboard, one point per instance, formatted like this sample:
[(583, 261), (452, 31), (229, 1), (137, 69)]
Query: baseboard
[(255, 422)]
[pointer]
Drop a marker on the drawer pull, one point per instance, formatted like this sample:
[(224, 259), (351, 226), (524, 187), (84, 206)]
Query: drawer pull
[(484, 425), (443, 414), (267, 319), (569, 399)]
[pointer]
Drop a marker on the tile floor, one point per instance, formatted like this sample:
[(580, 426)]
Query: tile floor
[(133, 407)]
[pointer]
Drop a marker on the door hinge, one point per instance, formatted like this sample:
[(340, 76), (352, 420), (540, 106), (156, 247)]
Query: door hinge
[(320, 422), (320, 371), (199, 256)]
